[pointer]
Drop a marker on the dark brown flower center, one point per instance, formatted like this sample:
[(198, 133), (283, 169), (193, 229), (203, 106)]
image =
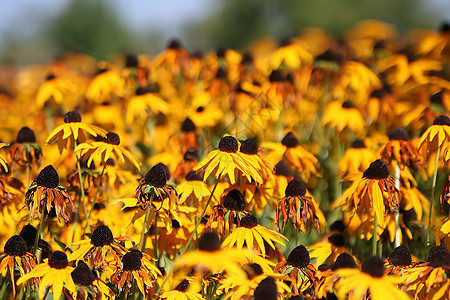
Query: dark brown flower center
[(373, 266), (234, 200), (441, 120), (337, 240), (290, 140), (266, 290), (249, 221), (252, 270), (183, 286), (377, 170), (299, 257), (400, 256), (358, 144), (282, 169), (194, 176), (200, 109), (174, 44), (82, 274), (72, 117), (48, 177), (295, 188), (58, 260), (99, 206), (276, 76), (25, 135), (348, 104), (209, 241), (101, 236), (249, 146), (28, 233), (156, 176), (228, 144), (440, 257), (50, 77), (16, 246), (112, 138), (132, 260), (131, 61), (222, 73), (344, 260), (175, 224), (191, 154), (399, 133), (338, 226), (187, 125)]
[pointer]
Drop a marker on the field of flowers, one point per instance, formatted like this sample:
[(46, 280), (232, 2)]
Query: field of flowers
[(306, 168)]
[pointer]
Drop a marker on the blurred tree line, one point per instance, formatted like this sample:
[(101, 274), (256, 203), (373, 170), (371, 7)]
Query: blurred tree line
[(94, 27)]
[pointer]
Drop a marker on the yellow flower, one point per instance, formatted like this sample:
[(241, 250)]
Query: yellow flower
[(436, 135), (105, 84), (109, 148), (181, 292), (328, 251), (138, 105), (87, 283), (354, 284), (73, 130), (25, 150), (56, 89), (227, 160), (356, 159), (250, 231), (400, 150), (193, 188), (55, 273), (291, 54), (344, 115)]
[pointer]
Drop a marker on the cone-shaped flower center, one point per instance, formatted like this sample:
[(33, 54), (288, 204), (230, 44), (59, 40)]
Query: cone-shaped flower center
[(290, 140), (377, 170), (373, 266), (253, 270), (249, 146), (132, 260), (194, 176), (48, 177), (26, 135), (16, 246), (58, 260), (187, 125), (228, 144), (282, 169), (441, 120), (209, 241), (156, 176), (131, 61), (50, 77), (295, 188), (82, 274), (200, 109), (299, 257), (112, 138), (191, 154), (266, 290), (234, 200), (399, 133), (348, 104), (72, 117), (249, 221), (358, 144), (28, 233), (344, 260), (276, 76), (400, 256), (175, 224), (183, 286), (439, 258), (174, 44), (101, 236), (338, 226), (337, 240)]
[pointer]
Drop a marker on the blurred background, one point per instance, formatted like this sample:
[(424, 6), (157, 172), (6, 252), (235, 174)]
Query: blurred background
[(36, 31)]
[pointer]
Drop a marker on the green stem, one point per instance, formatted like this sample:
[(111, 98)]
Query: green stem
[(38, 234), (27, 169), (144, 228), (95, 198), (375, 235), (397, 240), (433, 188), (83, 198), (155, 246)]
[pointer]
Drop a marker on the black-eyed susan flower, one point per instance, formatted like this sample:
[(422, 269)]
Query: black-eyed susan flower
[(182, 291), (298, 207), (373, 194), (73, 130), (108, 148), (88, 284), (250, 148), (344, 115), (399, 260), (227, 160), (15, 255), (328, 251), (55, 274), (354, 284), (357, 158), (25, 151), (98, 246), (139, 105), (399, 149), (193, 190), (137, 266), (435, 135), (251, 233), (266, 290), (300, 269), (45, 194), (55, 89), (106, 84)]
